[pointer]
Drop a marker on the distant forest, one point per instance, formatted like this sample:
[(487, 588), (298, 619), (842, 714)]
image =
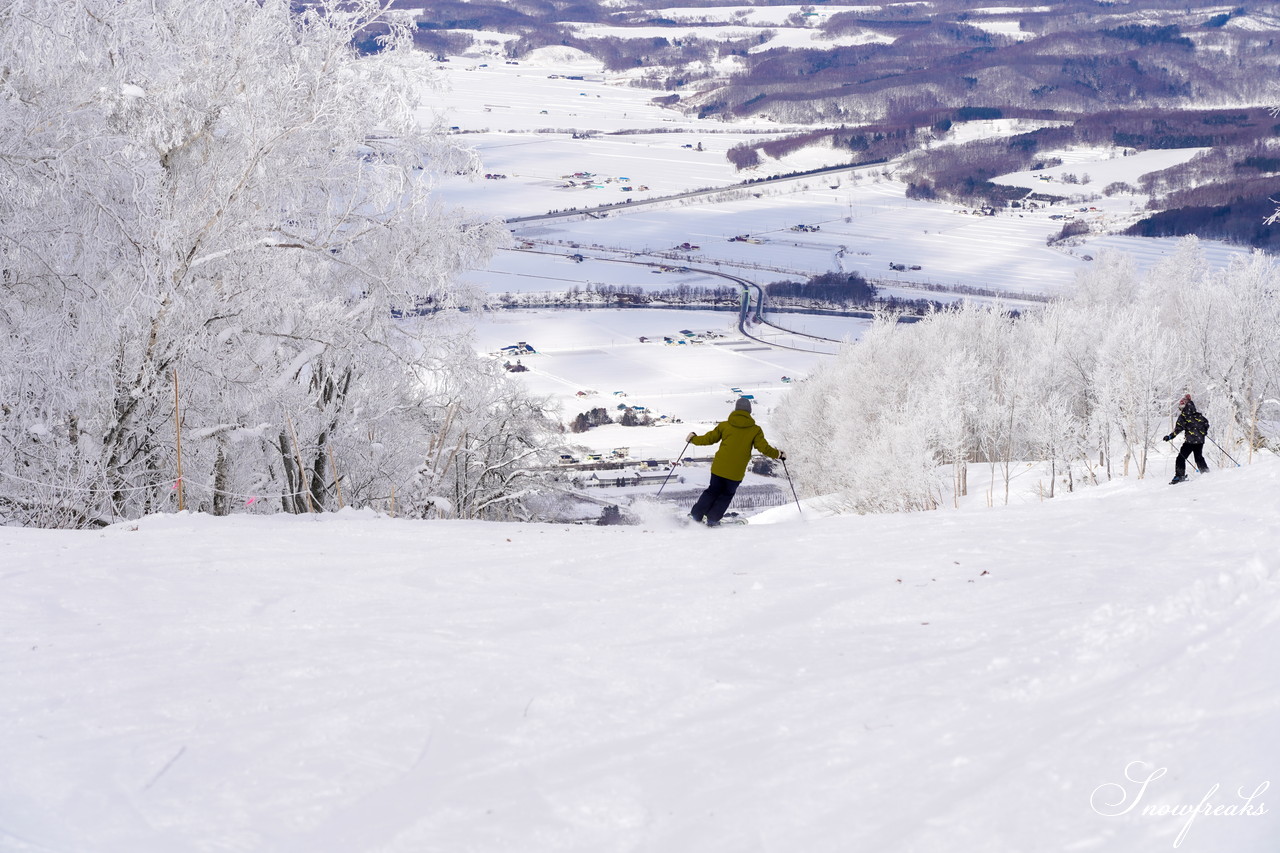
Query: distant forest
[(1135, 74), (832, 289), (1221, 194), (834, 292)]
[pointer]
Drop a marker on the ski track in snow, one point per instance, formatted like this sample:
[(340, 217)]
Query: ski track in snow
[(355, 682)]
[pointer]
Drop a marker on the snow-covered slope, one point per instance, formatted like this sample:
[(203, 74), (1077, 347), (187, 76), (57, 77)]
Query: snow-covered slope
[(980, 680)]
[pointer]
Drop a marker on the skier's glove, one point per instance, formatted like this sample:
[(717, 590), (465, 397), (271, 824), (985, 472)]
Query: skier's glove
[(691, 436), (782, 456), (1169, 437)]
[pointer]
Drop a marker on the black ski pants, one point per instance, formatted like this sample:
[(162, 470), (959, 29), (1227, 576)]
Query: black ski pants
[(1180, 466), (714, 501)]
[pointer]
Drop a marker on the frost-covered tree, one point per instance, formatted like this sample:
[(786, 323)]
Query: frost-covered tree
[(1138, 372), (1232, 319), (899, 418), (217, 208), (1062, 360), (480, 462), (859, 427)]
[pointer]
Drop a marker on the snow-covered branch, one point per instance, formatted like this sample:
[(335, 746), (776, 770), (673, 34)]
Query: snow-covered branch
[(174, 212)]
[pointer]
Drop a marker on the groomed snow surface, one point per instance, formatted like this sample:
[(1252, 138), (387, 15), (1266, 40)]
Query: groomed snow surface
[(979, 680)]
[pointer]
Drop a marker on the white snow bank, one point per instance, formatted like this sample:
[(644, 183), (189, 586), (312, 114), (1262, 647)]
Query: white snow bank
[(979, 680)]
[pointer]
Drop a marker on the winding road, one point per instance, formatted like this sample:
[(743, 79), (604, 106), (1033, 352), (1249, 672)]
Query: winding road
[(746, 315)]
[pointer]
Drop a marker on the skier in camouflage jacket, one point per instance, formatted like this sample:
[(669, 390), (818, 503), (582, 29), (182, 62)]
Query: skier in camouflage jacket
[(1195, 426)]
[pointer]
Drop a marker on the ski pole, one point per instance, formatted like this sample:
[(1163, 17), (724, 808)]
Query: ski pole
[(799, 509), (673, 468), (1224, 453)]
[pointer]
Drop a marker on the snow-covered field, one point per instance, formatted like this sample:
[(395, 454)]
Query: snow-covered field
[(865, 224), (978, 681), (599, 352)]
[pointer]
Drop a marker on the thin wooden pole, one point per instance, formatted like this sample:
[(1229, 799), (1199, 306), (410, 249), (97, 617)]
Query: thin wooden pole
[(177, 422)]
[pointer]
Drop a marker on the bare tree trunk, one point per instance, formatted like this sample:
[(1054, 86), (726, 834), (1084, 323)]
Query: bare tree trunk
[(221, 500), (289, 501), (318, 488)]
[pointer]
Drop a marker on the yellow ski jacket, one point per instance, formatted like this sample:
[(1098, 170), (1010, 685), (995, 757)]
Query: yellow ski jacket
[(736, 436)]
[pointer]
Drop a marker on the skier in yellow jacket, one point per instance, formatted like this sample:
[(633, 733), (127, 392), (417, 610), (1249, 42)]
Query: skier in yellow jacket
[(736, 436)]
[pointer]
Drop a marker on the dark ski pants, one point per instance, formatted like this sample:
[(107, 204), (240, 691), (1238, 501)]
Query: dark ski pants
[(1180, 466), (715, 500)]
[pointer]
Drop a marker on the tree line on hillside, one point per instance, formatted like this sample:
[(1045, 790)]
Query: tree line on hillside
[(1237, 215), (915, 417), (1136, 129), (439, 43), (874, 142), (936, 59), (683, 60), (1071, 56), (963, 173), (1216, 195)]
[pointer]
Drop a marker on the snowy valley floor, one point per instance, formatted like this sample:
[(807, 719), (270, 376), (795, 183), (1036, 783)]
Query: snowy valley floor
[(976, 681)]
